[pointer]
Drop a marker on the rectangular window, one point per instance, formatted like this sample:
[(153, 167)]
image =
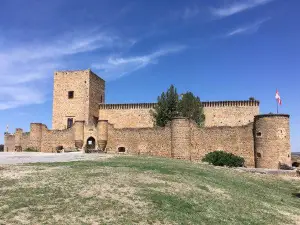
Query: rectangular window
[(71, 94), (69, 123)]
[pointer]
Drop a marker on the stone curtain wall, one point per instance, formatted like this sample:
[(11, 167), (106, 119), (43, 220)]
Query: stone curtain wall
[(237, 140), (9, 143), (127, 115), (13, 142), (54, 138), (221, 113), (230, 113), (183, 139), (141, 141)]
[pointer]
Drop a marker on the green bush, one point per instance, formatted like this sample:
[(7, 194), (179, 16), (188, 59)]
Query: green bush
[(221, 158), (30, 150)]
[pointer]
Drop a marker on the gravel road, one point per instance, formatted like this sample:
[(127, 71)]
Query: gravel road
[(33, 157)]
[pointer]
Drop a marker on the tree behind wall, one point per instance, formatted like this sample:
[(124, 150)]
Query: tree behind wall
[(169, 106), (1, 148), (190, 107)]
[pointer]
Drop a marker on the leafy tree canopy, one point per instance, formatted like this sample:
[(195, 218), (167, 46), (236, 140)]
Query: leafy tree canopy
[(169, 105)]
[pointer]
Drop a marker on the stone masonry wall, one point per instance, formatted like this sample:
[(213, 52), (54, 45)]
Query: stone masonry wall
[(96, 96), (25, 141), (237, 140), (229, 116), (53, 138), (9, 143), (127, 115), (192, 144), (272, 140), (63, 107), (222, 113), (148, 141)]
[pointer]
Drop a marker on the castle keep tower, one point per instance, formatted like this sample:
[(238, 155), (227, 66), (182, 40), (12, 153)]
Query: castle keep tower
[(76, 97), (272, 140)]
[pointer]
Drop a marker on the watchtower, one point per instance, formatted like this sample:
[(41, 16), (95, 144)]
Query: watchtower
[(272, 140), (76, 97)]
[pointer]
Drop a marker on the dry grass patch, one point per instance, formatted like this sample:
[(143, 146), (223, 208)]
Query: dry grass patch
[(143, 190)]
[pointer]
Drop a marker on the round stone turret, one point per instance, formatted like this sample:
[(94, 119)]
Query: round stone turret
[(272, 140), (79, 133), (102, 129)]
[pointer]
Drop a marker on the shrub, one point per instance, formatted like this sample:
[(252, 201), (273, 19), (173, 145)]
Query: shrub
[(221, 158), (30, 150)]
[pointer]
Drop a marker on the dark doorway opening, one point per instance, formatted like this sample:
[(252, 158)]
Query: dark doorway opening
[(90, 143), (296, 164), (121, 149)]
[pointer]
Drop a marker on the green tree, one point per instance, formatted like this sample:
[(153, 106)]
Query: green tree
[(167, 107), (190, 106)]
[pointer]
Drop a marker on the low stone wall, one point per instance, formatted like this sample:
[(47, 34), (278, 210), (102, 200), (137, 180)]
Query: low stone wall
[(142, 141), (237, 140), (54, 138), (183, 139)]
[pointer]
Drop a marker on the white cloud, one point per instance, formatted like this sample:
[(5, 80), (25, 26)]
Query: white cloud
[(115, 67), (16, 95), (237, 7), (248, 29), (26, 66)]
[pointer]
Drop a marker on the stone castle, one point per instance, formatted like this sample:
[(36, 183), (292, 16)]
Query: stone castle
[(82, 120)]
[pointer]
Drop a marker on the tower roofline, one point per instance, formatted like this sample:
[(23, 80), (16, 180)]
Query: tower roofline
[(74, 71)]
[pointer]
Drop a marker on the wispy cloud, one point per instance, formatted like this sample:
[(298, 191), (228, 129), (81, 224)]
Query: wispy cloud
[(115, 67), (26, 67), (17, 95), (248, 29), (237, 7)]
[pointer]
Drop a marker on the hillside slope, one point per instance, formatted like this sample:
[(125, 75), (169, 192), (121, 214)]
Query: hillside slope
[(143, 190)]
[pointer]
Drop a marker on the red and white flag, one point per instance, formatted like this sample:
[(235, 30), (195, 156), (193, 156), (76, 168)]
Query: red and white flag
[(277, 96)]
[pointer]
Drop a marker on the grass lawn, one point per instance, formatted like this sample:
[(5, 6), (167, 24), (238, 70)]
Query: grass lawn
[(143, 190)]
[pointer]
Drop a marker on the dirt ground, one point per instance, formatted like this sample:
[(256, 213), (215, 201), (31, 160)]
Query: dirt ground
[(34, 157)]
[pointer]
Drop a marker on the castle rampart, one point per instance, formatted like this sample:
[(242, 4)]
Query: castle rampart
[(82, 120), (217, 113)]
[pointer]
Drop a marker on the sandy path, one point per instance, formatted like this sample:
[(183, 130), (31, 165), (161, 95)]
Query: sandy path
[(32, 157)]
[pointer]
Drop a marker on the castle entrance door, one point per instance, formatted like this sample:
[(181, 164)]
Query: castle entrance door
[(90, 143)]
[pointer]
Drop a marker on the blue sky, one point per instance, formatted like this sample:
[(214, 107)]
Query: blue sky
[(218, 49)]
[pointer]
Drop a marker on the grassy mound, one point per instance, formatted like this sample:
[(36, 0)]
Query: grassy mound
[(143, 190)]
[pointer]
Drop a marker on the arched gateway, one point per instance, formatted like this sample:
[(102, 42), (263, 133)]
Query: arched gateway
[(90, 144)]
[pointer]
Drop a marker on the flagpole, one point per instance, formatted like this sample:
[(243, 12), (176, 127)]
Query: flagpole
[(277, 106)]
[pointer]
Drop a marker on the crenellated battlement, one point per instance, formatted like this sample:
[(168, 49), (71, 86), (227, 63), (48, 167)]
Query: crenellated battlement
[(128, 106), (205, 104), (230, 103)]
